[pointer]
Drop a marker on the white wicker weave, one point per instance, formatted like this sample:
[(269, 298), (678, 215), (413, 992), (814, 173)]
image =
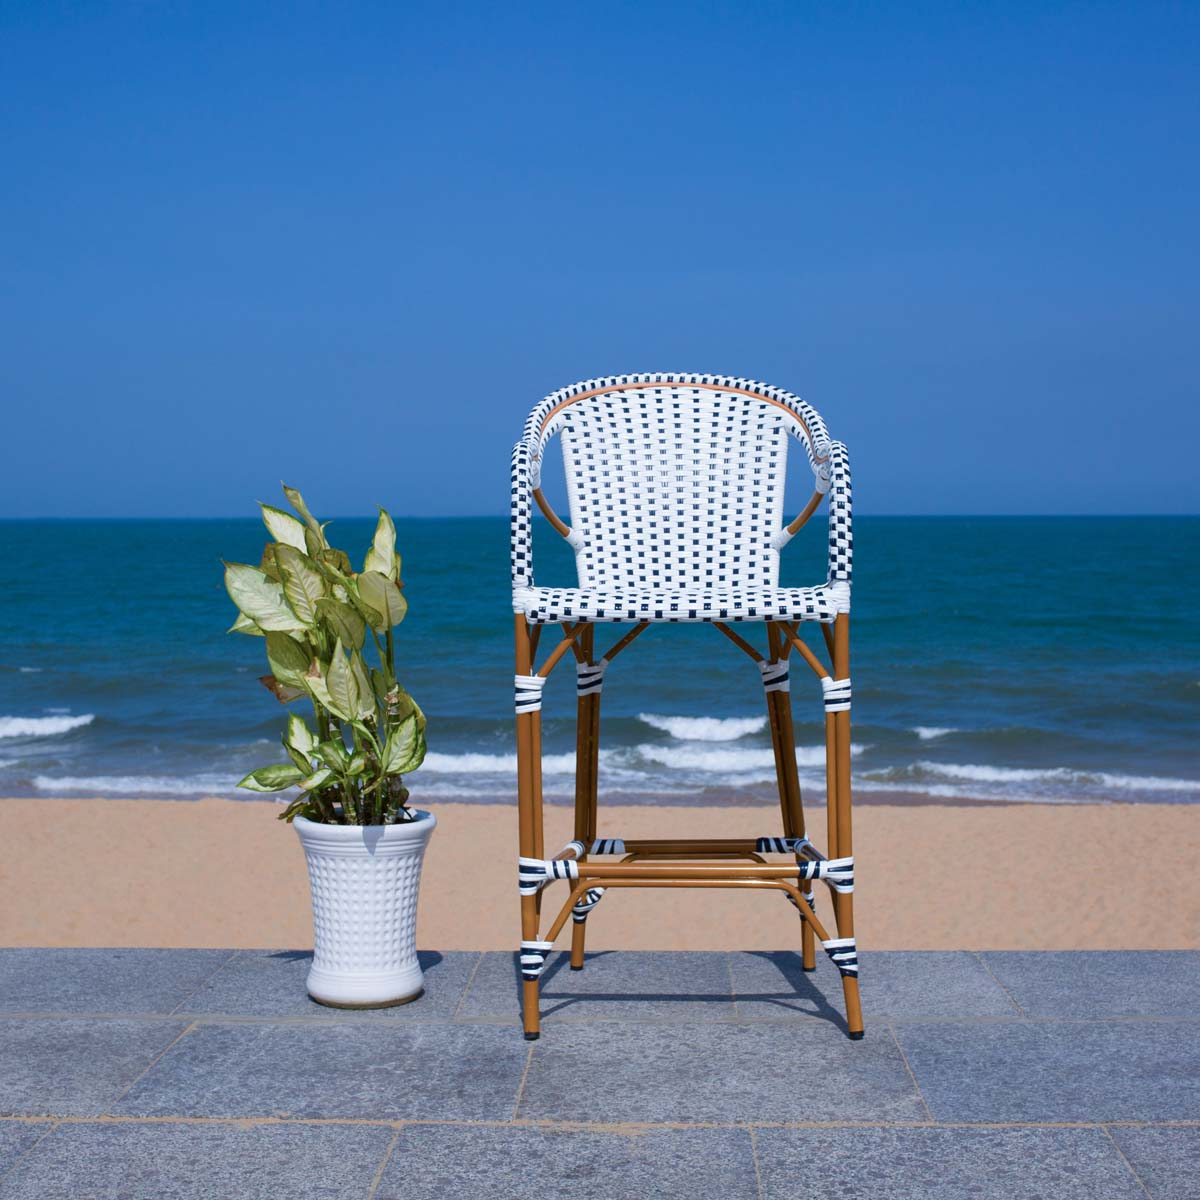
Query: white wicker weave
[(675, 485)]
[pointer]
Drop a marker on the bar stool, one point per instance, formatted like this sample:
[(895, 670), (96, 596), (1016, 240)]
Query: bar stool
[(675, 485)]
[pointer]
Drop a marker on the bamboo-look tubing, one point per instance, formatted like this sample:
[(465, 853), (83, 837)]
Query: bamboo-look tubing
[(827, 634), (564, 912), (783, 737), (527, 810), (559, 524), (657, 855), (641, 627), (575, 649), (587, 754), (685, 870), (818, 667), (844, 904), (535, 636), (807, 511), (559, 650), (739, 641)]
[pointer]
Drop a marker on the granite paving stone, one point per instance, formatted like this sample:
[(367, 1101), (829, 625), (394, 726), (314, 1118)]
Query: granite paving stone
[(15, 1139), (1056, 1070), (1101, 983), (352, 1070), (75, 1066), (716, 1072), (514, 1162), (944, 1164), (671, 985), (102, 981), (200, 1162), (772, 985), (270, 983), (1166, 1158)]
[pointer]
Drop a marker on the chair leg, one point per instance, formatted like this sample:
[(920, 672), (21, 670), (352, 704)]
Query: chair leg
[(529, 835), (587, 759), (840, 818), (783, 742)]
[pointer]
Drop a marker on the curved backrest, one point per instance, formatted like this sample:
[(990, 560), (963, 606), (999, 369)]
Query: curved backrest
[(676, 482)]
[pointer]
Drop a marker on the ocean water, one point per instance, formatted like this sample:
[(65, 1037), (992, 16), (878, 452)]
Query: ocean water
[(996, 659)]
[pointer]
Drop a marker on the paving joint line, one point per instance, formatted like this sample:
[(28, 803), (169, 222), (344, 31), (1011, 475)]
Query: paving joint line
[(754, 1160), (1132, 1169), (37, 1141), (521, 1085), (911, 1074), (153, 1063), (983, 962), (467, 986), (206, 980), (387, 1158)]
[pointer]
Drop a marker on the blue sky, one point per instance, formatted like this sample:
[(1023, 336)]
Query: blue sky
[(351, 245)]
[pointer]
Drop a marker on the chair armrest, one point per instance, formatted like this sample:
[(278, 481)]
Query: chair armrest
[(524, 480), (841, 534)]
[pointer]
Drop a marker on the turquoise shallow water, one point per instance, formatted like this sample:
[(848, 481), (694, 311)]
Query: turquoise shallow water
[(1054, 659)]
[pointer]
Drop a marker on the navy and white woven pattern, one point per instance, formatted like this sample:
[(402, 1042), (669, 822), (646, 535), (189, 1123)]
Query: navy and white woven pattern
[(589, 677), (836, 693), (533, 959), (528, 692), (775, 676), (844, 953), (675, 485), (608, 846), (534, 873), (585, 904), (784, 845), (837, 872)]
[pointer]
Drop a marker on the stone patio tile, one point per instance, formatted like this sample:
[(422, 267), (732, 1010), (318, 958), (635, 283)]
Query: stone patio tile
[(716, 1072), (1056, 1070), (270, 983), (944, 1164), (75, 1066), (102, 981), (320, 1070), (199, 1162), (15, 1138), (772, 985), (1101, 983), (434, 1162), (1166, 1159), (613, 985)]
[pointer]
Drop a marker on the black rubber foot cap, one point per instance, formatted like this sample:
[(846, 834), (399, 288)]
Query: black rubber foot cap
[(810, 970), (533, 1037), (854, 1037), (575, 968)]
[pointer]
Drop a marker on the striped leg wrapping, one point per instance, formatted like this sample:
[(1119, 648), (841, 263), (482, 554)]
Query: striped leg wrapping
[(775, 676), (533, 958), (575, 846), (837, 872), (608, 846), (589, 677), (836, 693), (528, 691), (783, 845), (585, 904), (844, 954), (809, 898), (534, 873)]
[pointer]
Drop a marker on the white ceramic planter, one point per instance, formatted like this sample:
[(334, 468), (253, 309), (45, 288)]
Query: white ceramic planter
[(364, 881)]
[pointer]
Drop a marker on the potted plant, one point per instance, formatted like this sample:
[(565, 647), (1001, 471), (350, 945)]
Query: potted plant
[(364, 845)]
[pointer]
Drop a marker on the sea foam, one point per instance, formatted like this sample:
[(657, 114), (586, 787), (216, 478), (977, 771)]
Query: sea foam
[(978, 773), (42, 726), (927, 733), (705, 729), (138, 785)]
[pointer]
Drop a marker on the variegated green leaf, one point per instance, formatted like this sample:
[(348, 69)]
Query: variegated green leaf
[(283, 527), (345, 621), (343, 687), (259, 598), (302, 582), (405, 749), (243, 624), (289, 660), (297, 502), (384, 597), (318, 779), (319, 689), (366, 697), (299, 736), (333, 751), (382, 555), (272, 779)]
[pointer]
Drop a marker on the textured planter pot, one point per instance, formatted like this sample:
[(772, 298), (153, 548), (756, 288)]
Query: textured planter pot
[(364, 881)]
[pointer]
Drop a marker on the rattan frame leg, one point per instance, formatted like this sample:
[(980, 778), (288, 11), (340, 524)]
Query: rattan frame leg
[(587, 766), (529, 808)]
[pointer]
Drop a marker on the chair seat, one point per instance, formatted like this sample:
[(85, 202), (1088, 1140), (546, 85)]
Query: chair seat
[(543, 605)]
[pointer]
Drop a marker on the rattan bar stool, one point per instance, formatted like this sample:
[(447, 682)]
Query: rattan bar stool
[(675, 485)]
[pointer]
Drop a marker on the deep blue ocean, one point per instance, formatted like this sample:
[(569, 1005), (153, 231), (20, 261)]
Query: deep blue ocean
[(1001, 659)]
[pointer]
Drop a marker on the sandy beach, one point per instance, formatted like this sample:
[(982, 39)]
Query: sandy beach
[(222, 873)]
